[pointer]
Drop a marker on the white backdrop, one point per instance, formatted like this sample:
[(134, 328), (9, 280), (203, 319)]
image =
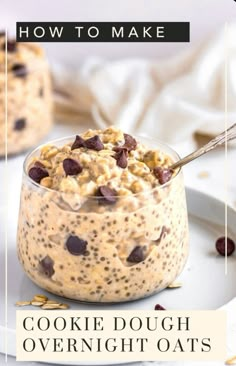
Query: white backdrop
[(204, 15)]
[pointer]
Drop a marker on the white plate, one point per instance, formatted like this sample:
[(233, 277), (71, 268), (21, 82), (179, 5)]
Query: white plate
[(205, 285)]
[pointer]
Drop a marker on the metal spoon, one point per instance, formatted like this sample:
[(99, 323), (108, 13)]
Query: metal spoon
[(229, 134)]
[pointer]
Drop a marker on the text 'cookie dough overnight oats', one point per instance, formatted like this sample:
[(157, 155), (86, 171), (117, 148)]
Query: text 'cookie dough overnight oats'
[(29, 95), (102, 219)]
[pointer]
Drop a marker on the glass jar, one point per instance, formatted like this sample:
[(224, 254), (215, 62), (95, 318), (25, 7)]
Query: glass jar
[(26, 89), (128, 250)]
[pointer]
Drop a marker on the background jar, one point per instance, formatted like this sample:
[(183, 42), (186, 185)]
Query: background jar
[(25, 86)]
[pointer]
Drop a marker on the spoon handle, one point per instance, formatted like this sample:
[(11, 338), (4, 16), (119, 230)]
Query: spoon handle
[(229, 134)]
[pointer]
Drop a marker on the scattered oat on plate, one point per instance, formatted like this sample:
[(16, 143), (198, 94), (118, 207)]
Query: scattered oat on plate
[(175, 285), (43, 302), (231, 361), (55, 306), (203, 174), (23, 303)]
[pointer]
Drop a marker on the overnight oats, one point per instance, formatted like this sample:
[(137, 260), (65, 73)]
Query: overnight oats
[(102, 218), (29, 95)]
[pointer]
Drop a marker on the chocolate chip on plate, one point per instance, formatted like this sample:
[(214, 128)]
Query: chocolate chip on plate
[(163, 174), (37, 173), (79, 142), (220, 246), (136, 255), (121, 158), (75, 245), (130, 142), (106, 195), (94, 143), (46, 266), (71, 167), (20, 124), (19, 70), (159, 307)]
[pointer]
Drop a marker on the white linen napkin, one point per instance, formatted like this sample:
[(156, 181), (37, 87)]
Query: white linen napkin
[(168, 99)]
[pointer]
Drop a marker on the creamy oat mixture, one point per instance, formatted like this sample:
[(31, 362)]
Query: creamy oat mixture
[(29, 99), (102, 218)]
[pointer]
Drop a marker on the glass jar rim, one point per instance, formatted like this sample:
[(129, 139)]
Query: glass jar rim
[(70, 138)]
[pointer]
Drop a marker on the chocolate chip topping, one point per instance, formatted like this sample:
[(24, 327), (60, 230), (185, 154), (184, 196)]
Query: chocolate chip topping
[(37, 173), (72, 167), (46, 266), (94, 143), (136, 255), (2, 33), (120, 148), (79, 142), (38, 163), (19, 70), (220, 246), (121, 158), (75, 245), (20, 124), (159, 307), (11, 46), (108, 195), (163, 174), (130, 142)]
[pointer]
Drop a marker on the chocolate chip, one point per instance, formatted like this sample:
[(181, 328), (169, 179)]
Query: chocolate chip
[(94, 143), (220, 246), (38, 163), (120, 148), (72, 167), (41, 92), (11, 46), (46, 266), (121, 158), (129, 145), (2, 34), (79, 142), (20, 124), (164, 231), (130, 142), (37, 173), (19, 70), (136, 255), (108, 195), (163, 174), (159, 307), (75, 245)]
